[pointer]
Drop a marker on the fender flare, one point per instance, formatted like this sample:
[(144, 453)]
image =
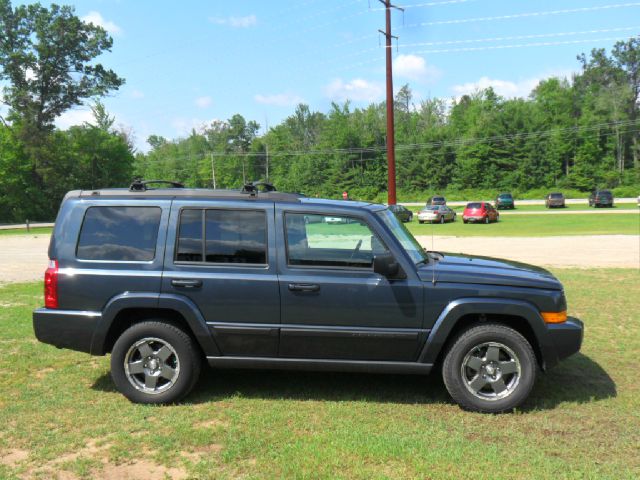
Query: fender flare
[(457, 309), (135, 300)]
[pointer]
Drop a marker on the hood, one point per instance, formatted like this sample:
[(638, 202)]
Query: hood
[(458, 268)]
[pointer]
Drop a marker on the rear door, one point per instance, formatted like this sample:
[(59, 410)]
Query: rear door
[(333, 305), (221, 255)]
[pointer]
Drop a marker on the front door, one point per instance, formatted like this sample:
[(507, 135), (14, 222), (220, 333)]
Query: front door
[(333, 306)]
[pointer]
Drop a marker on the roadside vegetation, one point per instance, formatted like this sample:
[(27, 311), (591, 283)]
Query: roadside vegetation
[(59, 412)]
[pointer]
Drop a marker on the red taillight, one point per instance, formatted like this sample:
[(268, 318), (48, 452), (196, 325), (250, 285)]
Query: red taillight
[(51, 285)]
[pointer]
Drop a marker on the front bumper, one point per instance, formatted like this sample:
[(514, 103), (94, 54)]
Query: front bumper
[(564, 339), (71, 329)]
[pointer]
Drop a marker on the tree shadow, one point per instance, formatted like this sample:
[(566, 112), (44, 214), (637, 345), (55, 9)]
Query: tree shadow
[(577, 379)]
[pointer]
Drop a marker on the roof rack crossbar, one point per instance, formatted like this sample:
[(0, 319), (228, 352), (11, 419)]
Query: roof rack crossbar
[(140, 185)]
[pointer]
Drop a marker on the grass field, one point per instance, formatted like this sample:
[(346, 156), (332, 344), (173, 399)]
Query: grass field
[(22, 231), (59, 413), (536, 226)]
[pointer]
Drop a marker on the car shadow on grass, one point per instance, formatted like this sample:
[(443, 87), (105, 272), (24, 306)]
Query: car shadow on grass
[(577, 379)]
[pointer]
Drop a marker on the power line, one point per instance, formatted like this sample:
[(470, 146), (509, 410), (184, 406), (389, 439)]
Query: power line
[(520, 45), (429, 4), (516, 37), (523, 15)]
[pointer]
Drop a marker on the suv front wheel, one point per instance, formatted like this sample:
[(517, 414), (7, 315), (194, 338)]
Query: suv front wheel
[(490, 368), (155, 362)]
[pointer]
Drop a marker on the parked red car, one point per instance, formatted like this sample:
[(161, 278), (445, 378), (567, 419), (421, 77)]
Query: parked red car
[(480, 212)]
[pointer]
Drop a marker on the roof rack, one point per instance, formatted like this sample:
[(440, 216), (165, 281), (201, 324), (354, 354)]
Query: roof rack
[(140, 185), (253, 188)]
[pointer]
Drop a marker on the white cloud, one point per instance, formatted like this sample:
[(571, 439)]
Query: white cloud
[(96, 18), (279, 99), (415, 68), (74, 117), (203, 102), (358, 90), (504, 88), (236, 22)]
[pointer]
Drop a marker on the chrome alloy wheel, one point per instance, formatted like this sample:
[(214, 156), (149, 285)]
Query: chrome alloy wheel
[(151, 365), (491, 371)]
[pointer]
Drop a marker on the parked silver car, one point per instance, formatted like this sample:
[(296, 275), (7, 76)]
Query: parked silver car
[(436, 213)]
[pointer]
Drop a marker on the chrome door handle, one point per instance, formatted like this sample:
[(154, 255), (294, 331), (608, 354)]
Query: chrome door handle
[(186, 283)]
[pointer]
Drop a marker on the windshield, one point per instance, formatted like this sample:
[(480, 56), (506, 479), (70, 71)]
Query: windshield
[(505, 196), (474, 205), (556, 195), (408, 242)]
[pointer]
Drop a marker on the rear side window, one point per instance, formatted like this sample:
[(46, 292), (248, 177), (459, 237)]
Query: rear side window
[(126, 234), (228, 236)]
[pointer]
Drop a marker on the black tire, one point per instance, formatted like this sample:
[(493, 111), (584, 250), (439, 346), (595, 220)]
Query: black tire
[(420, 222), (467, 348), (464, 221), (175, 375)]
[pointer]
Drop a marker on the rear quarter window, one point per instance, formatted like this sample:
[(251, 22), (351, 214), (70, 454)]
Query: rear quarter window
[(127, 234)]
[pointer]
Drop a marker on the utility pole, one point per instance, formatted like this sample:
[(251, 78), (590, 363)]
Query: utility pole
[(391, 150), (266, 146), (213, 172)]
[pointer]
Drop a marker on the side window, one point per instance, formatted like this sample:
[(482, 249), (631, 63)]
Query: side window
[(230, 236), (330, 241), (119, 234)]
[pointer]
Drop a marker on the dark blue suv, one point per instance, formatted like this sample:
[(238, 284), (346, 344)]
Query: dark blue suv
[(166, 278)]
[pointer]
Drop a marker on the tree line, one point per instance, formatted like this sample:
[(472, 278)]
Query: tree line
[(576, 134)]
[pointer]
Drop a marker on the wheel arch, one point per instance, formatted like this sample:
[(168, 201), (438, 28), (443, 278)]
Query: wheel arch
[(462, 314), (125, 310)]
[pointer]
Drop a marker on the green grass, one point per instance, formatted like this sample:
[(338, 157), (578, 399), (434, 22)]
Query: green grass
[(535, 226), (59, 412), (23, 231)]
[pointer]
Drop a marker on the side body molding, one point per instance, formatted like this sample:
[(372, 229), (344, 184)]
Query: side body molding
[(496, 306), (138, 300)]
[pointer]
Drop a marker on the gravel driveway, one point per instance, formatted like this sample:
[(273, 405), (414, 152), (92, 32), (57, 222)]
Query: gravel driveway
[(23, 258)]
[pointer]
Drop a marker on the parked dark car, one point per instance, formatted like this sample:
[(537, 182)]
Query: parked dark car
[(480, 212), (601, 198), (554, 200), (505, 200), (167, 279), (436, 214), (402, 212), (436, 200)]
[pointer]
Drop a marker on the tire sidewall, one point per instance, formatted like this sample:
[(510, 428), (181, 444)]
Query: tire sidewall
[(451, 370), (184, 347)]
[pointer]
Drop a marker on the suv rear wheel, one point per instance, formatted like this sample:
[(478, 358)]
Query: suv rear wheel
[(490, 368), (155, 362)]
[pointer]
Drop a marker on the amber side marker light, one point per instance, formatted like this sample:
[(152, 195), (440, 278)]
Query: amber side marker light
[(554, 317)]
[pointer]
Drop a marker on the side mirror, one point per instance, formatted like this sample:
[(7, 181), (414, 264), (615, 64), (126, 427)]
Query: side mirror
[(385, 264)]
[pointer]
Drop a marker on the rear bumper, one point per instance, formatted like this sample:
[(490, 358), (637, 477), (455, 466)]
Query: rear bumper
[(565, 339), (66, 328)]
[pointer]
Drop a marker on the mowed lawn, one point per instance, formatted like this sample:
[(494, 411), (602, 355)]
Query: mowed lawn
[(60, 414), (535, 226)]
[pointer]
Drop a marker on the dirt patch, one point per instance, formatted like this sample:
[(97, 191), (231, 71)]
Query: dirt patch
[(13, 457), (586, 251), (199, 453), (139, 470)]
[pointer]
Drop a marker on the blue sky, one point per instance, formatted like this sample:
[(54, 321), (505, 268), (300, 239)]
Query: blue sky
[(190, 62)]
